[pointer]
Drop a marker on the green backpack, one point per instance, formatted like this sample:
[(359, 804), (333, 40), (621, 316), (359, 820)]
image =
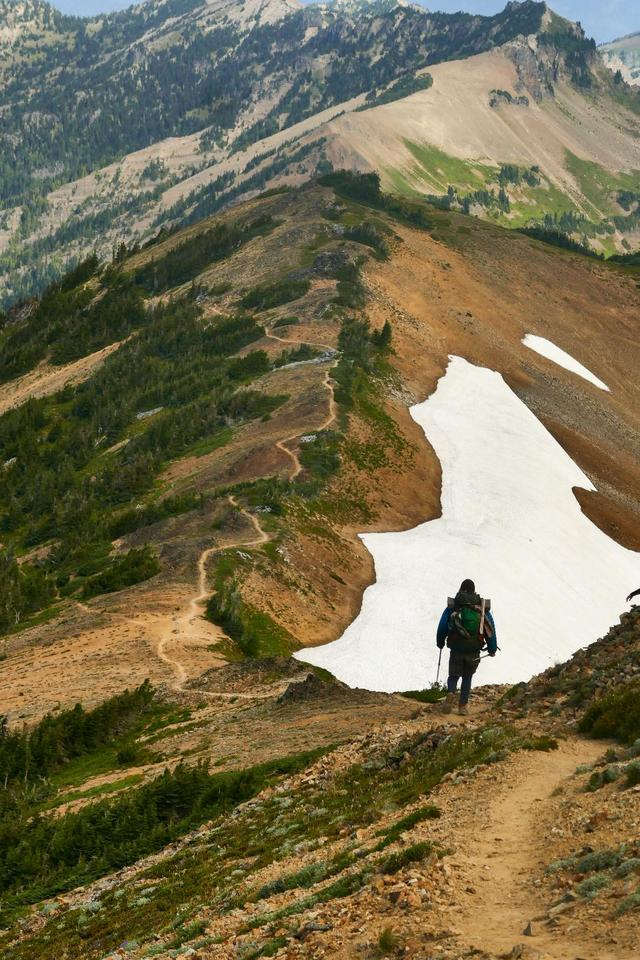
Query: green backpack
[(464, 624)]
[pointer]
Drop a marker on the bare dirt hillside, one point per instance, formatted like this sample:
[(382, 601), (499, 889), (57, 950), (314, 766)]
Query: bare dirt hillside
[(467, 116)]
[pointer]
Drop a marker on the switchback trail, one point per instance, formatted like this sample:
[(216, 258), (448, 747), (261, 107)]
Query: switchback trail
[(189, 625), (333, 409)]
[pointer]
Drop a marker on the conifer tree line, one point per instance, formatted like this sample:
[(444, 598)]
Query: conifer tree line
[(58, 482), (28, 756), (42, 854), (23, 590)]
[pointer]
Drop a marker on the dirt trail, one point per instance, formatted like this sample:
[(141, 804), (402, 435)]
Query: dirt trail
[(333, 408), (505, 844), (189, 626)]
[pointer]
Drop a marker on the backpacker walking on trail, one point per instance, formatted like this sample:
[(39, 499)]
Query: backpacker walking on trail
[(466, 626)]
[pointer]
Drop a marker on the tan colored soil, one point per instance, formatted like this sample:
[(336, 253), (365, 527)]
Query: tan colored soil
[(45, 379), (455, 116)]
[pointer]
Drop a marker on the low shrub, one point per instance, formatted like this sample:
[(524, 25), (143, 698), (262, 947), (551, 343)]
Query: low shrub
[(388, 942), (395, 831), (632, 775), (544, 743), (269, 295), (600, 778), (396, 861), (592, 886), (632, 902), (615, 715), (432, 695)]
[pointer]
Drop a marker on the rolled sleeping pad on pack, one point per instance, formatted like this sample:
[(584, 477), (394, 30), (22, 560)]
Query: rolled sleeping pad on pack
[(451, 602)]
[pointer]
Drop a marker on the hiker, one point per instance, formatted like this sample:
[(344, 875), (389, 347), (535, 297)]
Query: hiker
[(465, 632), (636, 593)]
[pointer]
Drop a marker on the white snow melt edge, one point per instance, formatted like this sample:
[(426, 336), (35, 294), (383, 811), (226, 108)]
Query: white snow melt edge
[(549, 350), (511, 522)]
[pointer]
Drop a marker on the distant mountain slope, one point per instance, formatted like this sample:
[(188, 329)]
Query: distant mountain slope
[(511, 137), (79, 93), (121, 125), (624, 55)]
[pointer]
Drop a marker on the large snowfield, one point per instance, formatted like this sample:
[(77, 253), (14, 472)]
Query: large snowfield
[(549, 350), (511, 522)]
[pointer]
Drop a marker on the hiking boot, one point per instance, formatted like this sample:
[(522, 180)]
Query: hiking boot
[(448, 702), (463, 710)]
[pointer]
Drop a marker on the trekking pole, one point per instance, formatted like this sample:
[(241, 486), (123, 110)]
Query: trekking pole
[(438, 673)]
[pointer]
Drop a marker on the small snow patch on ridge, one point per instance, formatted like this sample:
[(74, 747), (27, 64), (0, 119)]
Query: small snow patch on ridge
[(549, 350)]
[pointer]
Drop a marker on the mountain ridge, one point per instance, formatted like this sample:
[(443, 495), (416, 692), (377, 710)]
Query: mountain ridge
[(146, 85), (121, 75)]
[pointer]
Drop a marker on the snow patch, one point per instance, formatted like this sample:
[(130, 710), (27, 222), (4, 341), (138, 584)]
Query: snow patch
[(511, 522), (549, 350)]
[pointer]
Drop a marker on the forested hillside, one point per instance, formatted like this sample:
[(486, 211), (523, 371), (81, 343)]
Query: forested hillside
[(126, 80)]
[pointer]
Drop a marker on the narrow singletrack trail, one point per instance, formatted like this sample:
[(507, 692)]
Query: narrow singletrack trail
[(505, 848), (333, 407), (189, 626)]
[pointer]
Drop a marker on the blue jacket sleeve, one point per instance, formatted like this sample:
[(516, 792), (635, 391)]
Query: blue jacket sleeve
[(492, 642), (443, 628)]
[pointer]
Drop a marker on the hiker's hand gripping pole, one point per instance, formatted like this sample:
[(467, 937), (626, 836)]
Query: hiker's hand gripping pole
[(438, 673)]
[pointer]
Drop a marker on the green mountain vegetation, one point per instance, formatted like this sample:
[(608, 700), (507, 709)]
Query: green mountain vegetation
[(82, 466), (135, 77)]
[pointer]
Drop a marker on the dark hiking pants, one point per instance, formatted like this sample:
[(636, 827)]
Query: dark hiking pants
[(462, 665)]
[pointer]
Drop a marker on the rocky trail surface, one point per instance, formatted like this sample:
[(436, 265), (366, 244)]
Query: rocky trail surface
[(502, 835)]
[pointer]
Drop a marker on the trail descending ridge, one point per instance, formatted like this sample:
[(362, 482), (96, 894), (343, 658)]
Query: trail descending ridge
[(189, 625), (504, 839), (333, 408)]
